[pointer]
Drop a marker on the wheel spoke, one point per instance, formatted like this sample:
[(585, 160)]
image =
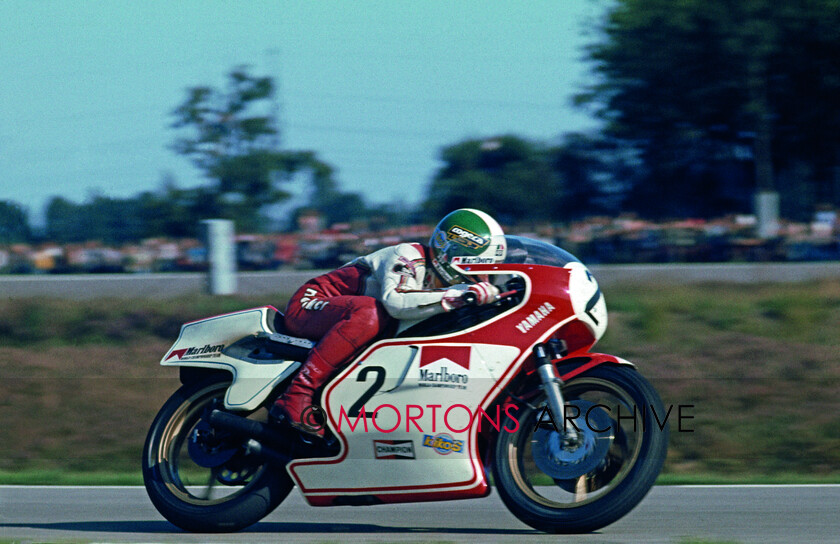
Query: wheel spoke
[(211, 482), (580, 488), (193, 484), (599, 478), (181, 472)]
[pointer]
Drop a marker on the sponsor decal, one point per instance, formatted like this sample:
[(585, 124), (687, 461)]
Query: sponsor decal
[(466, 238), (438, 264), (473, 260), (444, 376), (393, 449), (308, 302), (457, 355), (192, 353), (538, 315), (443, 443)]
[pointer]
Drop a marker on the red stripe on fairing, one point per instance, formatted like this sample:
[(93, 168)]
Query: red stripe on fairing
[(419, 488), (427, 496)]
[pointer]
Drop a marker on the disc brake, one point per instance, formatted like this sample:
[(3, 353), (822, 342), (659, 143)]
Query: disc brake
[(563, 459)]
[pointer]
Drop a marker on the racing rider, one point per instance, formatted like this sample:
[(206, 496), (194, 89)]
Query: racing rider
[(346, 309)]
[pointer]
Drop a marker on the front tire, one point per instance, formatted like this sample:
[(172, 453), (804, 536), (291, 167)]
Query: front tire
[(228, 489), (593, 485)]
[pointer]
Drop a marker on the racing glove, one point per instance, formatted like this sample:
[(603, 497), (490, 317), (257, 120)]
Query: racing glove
[(484, 293)]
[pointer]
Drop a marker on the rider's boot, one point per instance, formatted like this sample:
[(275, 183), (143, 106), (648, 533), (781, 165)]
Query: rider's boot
[(296, 406)]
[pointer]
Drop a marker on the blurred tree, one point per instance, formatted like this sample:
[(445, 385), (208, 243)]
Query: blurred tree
[(233, 137), (595, 174), (692, 84), (109, 220), (14, 223), (325, 197), (506, 176), (175, 212), (170, 211), (64, 221)]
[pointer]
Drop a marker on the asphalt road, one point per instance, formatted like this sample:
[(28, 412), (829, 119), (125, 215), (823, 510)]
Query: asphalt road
[(674, 514)]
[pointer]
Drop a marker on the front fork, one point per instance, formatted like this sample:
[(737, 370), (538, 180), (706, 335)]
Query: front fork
[(551, 384)]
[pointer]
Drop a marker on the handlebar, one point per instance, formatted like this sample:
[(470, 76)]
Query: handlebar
[(469, 298)]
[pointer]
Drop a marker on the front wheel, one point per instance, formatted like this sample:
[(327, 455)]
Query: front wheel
[(201, 479), (559, 485)]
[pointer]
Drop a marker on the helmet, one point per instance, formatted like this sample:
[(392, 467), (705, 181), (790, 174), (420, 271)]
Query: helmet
[(465, 236)]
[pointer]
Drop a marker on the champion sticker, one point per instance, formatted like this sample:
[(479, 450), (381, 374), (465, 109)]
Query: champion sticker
[(393, 449)]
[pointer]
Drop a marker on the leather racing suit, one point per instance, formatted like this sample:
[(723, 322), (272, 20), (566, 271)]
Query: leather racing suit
[(346, 309)]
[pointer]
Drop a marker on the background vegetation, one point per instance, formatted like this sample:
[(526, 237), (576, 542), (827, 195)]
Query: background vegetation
[(80, 381), (704, 102)]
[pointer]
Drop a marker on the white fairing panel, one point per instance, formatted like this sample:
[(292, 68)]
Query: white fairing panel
[(587, 300), (424, 396), (203, 344)]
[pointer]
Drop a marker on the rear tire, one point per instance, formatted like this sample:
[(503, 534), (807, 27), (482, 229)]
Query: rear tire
[(585, 502), (183, 491)]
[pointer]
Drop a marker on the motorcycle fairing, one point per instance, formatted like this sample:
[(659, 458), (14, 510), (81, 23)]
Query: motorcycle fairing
[(577, 363), (498, 348), (209, 343), (401, 370)]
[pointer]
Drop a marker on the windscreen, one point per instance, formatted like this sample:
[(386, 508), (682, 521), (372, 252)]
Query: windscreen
[(522, 250)]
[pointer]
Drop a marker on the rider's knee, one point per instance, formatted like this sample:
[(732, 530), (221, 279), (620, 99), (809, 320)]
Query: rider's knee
[(369, 317)]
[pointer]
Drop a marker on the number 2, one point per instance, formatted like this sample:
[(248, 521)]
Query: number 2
[(372, 390)]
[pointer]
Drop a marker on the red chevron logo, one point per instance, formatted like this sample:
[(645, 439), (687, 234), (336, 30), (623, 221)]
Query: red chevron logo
[(179, 352)]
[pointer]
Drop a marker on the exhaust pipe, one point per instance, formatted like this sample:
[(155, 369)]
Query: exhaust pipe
[(267, 453), (259, 434)]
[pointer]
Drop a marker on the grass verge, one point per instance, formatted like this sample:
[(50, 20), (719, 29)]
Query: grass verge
[(60, 477), (754, 367)]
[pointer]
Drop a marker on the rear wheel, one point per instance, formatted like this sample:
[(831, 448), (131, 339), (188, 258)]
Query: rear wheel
[(203, 480), (563, 486)]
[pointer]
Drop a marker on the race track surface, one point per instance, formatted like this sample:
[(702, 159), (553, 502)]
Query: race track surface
[(669, 514)]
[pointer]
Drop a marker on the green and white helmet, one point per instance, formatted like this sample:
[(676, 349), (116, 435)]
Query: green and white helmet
[(465, 236)]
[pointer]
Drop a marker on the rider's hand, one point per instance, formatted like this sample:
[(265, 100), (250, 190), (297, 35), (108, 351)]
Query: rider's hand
[(452, 297), (484, 293)]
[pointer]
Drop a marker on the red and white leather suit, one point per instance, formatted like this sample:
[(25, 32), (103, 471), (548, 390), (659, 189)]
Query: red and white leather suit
[(350, 307)]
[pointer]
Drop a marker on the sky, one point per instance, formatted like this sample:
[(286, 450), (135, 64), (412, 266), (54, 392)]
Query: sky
[(374, 88)]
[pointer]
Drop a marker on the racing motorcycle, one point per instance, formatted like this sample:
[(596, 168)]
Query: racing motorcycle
[(573, 439)]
